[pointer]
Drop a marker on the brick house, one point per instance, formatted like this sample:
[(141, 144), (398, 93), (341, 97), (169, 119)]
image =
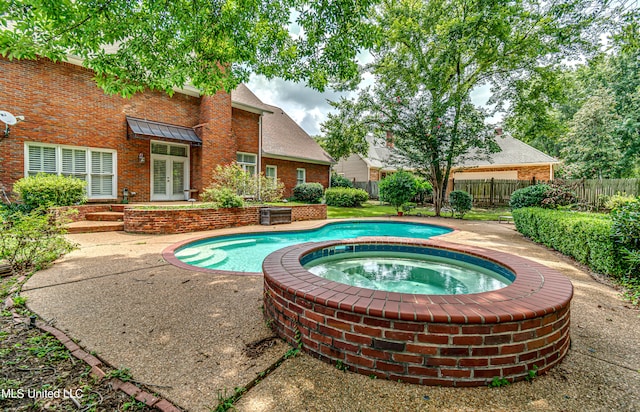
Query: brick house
[(516, 161), (159, 147)]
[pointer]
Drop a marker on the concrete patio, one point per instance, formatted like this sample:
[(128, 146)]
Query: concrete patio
[(186, 334)]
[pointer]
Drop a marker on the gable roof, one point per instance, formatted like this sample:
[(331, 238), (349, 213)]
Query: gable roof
[(282, 137), (513, 152)]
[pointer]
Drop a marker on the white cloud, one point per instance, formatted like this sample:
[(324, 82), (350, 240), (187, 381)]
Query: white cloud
[(309, 108)]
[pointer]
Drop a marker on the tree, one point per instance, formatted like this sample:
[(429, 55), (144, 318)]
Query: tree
[(211, 45), (435, 52), (591, 148), (549, 105), (397, 188)]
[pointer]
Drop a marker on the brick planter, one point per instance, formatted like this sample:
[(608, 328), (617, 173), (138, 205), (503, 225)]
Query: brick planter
[(178, 220), (449, 340)]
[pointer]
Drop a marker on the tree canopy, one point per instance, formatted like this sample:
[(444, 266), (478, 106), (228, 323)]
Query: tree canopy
[(428, 57), (211, 45), (587, 114)]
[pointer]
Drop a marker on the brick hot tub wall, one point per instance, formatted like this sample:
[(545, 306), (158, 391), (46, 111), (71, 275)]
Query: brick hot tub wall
[(448, 340), (177, 220)]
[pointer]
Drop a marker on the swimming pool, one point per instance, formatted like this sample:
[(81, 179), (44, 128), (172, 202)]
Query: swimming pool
[(246, 252)]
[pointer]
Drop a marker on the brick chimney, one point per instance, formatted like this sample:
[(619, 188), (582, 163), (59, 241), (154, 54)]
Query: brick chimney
[(389, 139)]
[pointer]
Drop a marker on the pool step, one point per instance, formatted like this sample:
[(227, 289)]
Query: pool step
[(213, 257)]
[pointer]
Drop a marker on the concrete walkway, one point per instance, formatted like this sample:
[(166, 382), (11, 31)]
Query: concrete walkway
[(190, 336)]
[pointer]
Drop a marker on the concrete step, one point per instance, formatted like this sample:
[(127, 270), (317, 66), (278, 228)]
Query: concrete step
[(118, 208), (105, 216), (85, 226)]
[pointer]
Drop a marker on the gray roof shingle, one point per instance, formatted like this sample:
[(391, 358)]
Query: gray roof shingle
[(281, 135)]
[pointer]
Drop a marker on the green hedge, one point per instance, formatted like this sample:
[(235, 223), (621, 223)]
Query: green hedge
[(44, 190), (583, 236), (345, 197)]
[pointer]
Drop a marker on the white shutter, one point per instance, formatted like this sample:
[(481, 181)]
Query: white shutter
[(41, 160), (101, 174)]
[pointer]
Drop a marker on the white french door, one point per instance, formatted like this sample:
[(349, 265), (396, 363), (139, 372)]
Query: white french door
[(169, 172)]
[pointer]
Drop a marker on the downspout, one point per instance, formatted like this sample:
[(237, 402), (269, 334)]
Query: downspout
[(259, 171)]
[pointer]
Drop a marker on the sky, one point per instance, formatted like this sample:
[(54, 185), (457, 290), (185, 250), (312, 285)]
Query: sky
[(309, 108)]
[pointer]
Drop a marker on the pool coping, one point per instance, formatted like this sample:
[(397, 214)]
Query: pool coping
[(536, 291), (168, 253)]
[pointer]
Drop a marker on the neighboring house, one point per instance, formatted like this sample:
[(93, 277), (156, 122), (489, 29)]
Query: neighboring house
[(516, 161), (159, 147)]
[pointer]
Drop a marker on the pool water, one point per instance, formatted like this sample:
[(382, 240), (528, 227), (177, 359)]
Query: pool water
[(245, 253), (407, 273)]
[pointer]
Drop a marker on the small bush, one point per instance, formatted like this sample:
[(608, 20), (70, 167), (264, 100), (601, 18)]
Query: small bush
[(461, 202), (234, 178), (397, 189), (44, 190), (529, 196), (559, 194), (32, 240), (345, 197), (626, 231), (308, 192), (583, 236), (340, 181), (270, 190), (619, 200), (224, 197)]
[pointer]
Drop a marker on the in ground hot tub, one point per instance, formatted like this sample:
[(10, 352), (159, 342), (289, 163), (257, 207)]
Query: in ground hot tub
[(453, 339)]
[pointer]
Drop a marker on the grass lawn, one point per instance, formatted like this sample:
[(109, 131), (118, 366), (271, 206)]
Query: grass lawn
[(374, 208)]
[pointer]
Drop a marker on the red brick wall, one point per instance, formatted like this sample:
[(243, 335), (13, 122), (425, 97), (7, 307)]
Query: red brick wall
[(62, 105), (246, 128), (82, 211), (192, 220), (218, 144), (287, 173), (449, 340), (425, 353)]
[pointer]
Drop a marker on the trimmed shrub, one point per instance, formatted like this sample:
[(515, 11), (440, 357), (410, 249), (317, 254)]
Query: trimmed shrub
[(224, 197), (45, 190), (345, 197), (308, 192), (397, 189), (340, 181), (461, 202), (626, 232), (530, 196), (583, 236)]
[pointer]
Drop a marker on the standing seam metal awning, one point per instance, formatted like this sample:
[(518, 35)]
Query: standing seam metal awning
[(168, 131)]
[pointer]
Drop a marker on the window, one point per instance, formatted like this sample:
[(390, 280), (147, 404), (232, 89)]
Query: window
[(171, 150), (301, 176), (247, 162), (95, 166), (271, 173)]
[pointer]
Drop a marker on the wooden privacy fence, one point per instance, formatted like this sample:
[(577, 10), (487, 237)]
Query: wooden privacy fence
[(590, 190), (497, 192), (370, 187), (490, 192)]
